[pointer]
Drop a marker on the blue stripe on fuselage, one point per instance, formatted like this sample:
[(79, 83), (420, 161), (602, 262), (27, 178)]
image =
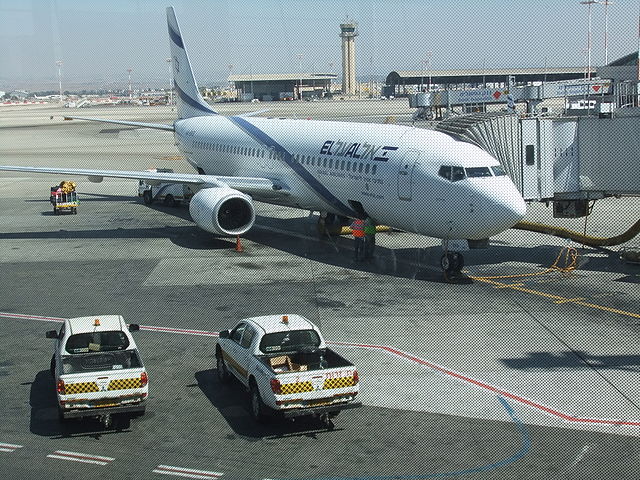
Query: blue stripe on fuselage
[(190, 101), (320, 189)]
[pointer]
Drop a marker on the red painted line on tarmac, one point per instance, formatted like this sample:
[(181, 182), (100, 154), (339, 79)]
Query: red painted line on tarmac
[(393, 351), (491, 388), (31, 317)]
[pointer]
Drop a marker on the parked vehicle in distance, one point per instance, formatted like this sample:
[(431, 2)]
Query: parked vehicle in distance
[(170, 194)]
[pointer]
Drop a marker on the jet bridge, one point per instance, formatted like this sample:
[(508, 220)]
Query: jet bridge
[(428, 103), (568, 160)]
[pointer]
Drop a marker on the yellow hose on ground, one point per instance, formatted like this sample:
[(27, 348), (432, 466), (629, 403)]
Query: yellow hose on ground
[(579, 237)]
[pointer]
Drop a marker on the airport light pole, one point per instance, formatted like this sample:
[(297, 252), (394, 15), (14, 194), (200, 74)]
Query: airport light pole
[(170, 81), (606, 4), (429, 55), (300, 69), (59, 64), (231, 85), (589, 3), (130, 91)]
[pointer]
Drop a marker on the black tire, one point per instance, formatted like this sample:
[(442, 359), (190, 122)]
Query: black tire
[(55, 210), (74, 211), (169, 201), (61, 418), (52, 366), (452, 262), (147, 198), (221, 369), (257, 407)]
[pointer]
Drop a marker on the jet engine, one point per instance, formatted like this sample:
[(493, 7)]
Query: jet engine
[(222, 210)]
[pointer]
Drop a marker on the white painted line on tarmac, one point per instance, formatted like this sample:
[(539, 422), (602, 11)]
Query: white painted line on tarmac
[(9, 447), (81, 457), (185, 472)]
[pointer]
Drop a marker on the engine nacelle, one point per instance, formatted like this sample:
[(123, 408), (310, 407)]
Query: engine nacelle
[(222, 210)]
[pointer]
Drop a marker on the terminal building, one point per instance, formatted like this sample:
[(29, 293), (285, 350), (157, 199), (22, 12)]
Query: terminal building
[(286, 86)]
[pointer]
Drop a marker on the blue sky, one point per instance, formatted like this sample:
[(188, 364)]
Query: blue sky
[(99, 40)]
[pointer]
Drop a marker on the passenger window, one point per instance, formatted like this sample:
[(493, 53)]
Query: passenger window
[(355, 167), (360, 167), (313, 163), (249, 333), (366, 169), (457, 173), (324, 163), (342, 165), (348, 166), (236, 335), (331, 163), (373, 169)]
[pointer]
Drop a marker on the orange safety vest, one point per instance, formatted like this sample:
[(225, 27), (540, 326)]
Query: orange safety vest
[(357, 228)]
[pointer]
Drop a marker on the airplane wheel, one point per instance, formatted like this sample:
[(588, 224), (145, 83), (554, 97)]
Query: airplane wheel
[(452, 262)]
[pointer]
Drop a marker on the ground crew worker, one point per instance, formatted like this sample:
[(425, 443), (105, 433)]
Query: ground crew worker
[(357, 228), (369, 238)]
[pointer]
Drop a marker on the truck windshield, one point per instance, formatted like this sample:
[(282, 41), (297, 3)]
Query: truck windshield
[(290, 341), (97, 342), (94, 362)]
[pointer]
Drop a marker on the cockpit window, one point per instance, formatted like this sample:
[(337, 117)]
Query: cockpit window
[(453, 174), (457, 173), (478, 172), (445, 172), (498, 171)]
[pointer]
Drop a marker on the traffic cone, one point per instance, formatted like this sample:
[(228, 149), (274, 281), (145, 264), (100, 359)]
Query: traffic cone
[(238, 244)]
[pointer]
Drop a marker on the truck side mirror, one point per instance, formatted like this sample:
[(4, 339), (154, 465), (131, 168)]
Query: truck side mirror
[(52, 334), (224, 334), (134, 327)]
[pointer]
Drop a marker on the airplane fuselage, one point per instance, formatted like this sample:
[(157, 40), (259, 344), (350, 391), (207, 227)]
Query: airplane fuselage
[(398, 175)]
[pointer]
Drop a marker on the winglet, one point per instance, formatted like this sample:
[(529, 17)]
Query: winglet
[(189, 101)]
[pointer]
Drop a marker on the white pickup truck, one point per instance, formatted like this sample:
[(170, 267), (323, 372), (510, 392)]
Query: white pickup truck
[(97, 369), (170, 194), (284, 362)]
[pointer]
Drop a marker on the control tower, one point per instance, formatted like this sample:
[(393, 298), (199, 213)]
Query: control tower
[(348, 32)]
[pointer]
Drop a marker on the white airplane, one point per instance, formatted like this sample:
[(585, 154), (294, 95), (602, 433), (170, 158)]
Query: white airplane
[(409, 178)]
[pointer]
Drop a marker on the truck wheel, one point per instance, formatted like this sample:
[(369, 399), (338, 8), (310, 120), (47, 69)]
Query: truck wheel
[(55, 210), (61, 418), (52, 367), (258, 408), (147, 198), (169, 201), (221, 369)]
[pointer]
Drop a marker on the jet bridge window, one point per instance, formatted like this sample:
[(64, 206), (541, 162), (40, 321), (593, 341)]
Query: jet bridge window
[(478, 172)]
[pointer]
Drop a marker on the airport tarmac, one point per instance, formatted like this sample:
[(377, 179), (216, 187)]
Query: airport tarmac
[(520, 376)]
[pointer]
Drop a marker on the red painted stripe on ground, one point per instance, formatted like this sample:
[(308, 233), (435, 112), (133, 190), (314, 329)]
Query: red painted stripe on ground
[(394, 351)]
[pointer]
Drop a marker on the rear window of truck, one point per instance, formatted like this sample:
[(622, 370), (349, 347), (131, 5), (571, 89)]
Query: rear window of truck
[(290, 341), (97, 342), (96, 362)]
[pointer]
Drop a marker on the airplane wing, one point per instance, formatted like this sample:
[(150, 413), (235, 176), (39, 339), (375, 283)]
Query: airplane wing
[(157, 126), (249, 185)]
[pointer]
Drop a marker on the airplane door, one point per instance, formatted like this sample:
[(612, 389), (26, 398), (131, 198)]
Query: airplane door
[(405, 174)]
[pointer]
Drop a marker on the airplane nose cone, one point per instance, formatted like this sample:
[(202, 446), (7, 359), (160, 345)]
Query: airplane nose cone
[(509, 209)]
